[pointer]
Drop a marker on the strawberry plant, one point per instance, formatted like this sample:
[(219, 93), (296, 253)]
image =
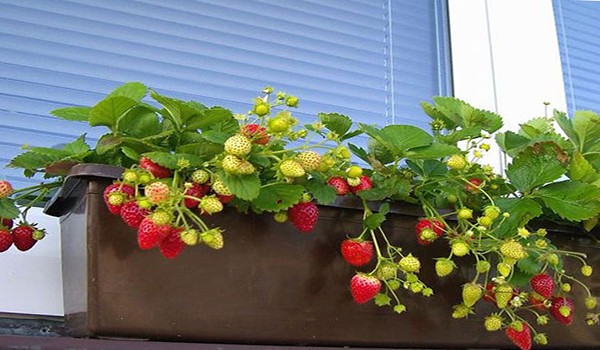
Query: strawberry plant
[(184, 162)]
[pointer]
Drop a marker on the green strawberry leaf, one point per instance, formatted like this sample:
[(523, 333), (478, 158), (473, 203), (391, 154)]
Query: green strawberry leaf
[(203, 149), (166, 159), (536, 127), (109, 110), (278, 197), (209, 118), (133, 90), (566, 125), (351, 134), (245, 187), (434, 114), (530, 265), (459, 135), (8, 209), (130, 153), (32, 161), (581, 170), (338, 123), (107, 143), (571, 200), (215, 136), (586, 124), (435, 150), (512, 143), (77, 148), (521, 211), (139, 122), (453, 108), (373, 221), (81, 114), (406, 137), (382, 299), (536, 166), (359, 152), (323, 193)]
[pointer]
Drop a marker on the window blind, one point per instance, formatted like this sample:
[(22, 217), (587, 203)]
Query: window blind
[(372, 60), (577, 28)]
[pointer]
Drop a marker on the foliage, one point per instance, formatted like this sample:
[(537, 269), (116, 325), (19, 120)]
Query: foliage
[(183, 159)]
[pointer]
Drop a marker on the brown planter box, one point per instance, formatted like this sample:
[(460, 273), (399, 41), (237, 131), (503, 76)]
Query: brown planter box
[(270, 284)]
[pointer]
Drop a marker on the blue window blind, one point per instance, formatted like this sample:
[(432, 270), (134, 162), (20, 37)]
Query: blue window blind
[(370, 59), (577, 27)]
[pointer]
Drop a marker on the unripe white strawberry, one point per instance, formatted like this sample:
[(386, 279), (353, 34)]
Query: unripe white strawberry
[(200, 176), (238, 145), (231, 163), (457, 162), (291, 168), (213, 238), (309, 160), (220, 188), (210, 205)]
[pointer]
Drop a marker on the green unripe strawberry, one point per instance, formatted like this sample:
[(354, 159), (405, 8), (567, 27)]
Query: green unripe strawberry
[(281, 216), (504, 269), (246, 168), (482, 266), (144, 203), (343, 152), (213, 238), (144, 178), (309, 160), (386, 270), (471, 294), (503, 293), (409, 263), (291, 168), (565, 287), (461, 311), (586, 270), (200, 176), (553, 259), (493, 323), (491, 212), (190, 237), (444, 267), (291, 101), (465, 213), (116, 198), (326, 163), (261, 109), (591, 303), (452, 199), (161, 217), (460, 248), (130, 176), (484, 221), (541, 339), (416, 287), (513, 249), (238, 145), (220, 188), (278, 125), (457, 162), (38, 235), (354, 171), (210, 205)]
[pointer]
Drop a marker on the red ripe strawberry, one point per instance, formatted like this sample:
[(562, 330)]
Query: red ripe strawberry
[(364, 287), (23, 237), (172, 245), (6, 240), (158, 171), (562, 310), (198, 191), (225, 199), (256, 133), (7, 223), (132, 214), (150, 234), (6, 188), (473, 184), (365, 184), (357, 252), (304, 216), (339, 184), (543, 284), (521, 338), (125, 190)]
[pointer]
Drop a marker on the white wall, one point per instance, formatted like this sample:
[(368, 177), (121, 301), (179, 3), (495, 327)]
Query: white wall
[(505, 59)]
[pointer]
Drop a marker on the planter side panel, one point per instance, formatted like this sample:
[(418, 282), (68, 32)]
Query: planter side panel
[(271, 284)]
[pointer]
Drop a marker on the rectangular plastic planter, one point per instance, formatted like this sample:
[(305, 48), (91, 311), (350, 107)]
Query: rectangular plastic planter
[(270, 284)]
